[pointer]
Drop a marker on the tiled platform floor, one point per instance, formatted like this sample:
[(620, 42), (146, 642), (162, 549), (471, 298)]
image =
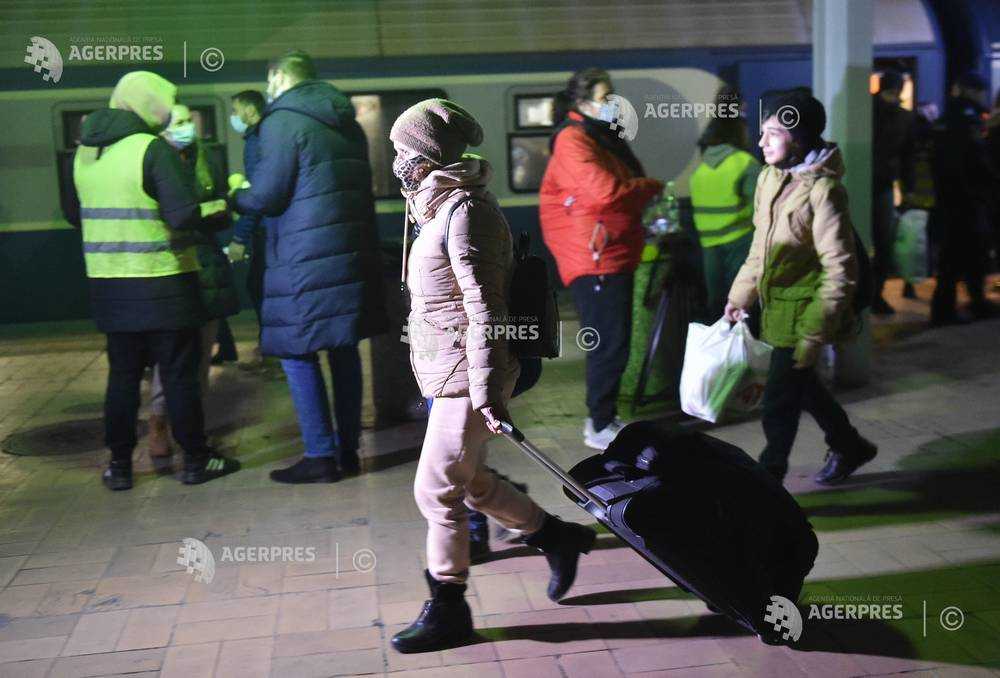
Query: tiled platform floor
[(89, 584)]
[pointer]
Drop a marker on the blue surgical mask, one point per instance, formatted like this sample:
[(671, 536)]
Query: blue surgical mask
[(237, 124), (181, 136), (608, 112)]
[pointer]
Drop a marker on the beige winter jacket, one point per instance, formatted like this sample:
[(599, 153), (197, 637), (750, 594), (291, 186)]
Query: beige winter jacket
[(802, 264), (458, 284)]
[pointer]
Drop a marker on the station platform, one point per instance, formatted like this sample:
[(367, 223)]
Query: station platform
[(90, 583)]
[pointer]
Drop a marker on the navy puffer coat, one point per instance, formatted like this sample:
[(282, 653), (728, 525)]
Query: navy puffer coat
[(323, 285)]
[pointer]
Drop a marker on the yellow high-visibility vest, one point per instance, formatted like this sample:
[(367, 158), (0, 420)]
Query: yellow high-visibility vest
[(124, 235), (721, 213)]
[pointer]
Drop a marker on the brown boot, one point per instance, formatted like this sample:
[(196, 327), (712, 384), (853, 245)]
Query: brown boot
[(159, 436)]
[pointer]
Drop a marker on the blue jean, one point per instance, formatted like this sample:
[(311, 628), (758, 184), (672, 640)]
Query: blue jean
[(312, 405)]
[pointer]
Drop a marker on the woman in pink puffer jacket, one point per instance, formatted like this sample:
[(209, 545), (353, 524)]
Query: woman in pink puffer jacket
[(458, 271)]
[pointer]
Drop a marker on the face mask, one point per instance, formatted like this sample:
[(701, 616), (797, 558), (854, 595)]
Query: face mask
[(181, 136), (409, 170), (608, 112), (236, 122)]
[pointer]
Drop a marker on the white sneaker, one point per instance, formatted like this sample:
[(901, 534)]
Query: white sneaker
[(599, 440)]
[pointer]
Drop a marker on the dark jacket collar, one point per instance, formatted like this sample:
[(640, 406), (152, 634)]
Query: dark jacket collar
[(318, 99), (105, 126)]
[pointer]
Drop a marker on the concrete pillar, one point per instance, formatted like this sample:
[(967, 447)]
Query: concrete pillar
[(842, 63)]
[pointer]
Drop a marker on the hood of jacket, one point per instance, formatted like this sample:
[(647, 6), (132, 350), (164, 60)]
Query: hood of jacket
[(714, 155), (318, 99), (437, 187), (105, 126), (146, 94), (826, 161)]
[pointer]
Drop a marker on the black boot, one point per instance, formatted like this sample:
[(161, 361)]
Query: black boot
[(203, 468), (562, 543), (118, 476), (839, 464), (445, 620), (308, 470), (479, 537)]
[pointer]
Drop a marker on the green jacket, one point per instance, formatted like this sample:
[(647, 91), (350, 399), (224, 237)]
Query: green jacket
[(802, 265)]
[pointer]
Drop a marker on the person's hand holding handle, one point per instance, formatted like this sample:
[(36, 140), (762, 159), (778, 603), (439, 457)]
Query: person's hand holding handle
[(734, 314), (496, 415)]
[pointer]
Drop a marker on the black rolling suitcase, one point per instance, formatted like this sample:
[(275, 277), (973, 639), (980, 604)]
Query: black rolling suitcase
[(701, 511)]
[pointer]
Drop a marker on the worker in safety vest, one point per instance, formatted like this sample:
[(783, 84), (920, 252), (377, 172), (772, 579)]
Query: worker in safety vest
[(136, 212), (722, 190)]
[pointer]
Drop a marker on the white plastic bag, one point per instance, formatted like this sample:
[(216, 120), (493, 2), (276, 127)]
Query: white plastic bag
[(725, 369), (910, 248)]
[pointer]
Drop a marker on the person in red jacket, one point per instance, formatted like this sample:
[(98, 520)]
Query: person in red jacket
[(590, 204)]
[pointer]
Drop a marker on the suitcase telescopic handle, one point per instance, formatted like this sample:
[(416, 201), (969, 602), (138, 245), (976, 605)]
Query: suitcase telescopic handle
[(591, 502)]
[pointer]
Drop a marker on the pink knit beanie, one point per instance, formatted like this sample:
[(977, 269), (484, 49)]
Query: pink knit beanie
[(437, 129)]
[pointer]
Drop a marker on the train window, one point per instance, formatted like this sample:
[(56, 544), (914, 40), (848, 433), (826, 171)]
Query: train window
[(202, 116), (375, 112), (72, 121), (529, 155), (534, 111)]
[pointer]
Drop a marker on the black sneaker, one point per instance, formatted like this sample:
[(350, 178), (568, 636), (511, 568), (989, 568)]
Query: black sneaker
[(350, 464), (210, 467), (983, 310), (881, 307), (308, 470), (840, 466), (946, 319), (117, 478)]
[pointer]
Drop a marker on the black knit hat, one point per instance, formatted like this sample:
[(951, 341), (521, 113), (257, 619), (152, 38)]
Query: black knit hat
[(891, 80), (802, 114)]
